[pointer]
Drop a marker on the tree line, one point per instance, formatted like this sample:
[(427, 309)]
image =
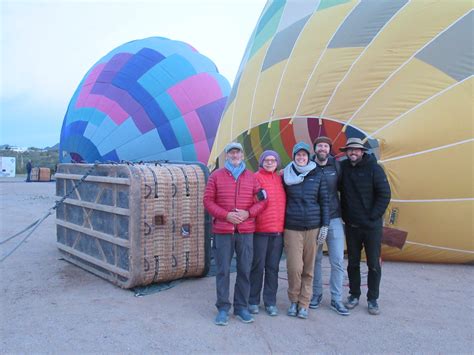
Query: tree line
[(39, 158)]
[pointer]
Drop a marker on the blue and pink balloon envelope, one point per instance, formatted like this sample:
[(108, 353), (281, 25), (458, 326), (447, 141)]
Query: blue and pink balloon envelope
[(150, 99)]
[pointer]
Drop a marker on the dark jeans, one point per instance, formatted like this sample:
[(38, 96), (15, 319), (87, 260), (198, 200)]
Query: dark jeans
[(224, 247), (371, 240), (267, 250)]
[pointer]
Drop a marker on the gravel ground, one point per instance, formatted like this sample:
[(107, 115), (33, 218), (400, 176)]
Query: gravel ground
[(51, 306)]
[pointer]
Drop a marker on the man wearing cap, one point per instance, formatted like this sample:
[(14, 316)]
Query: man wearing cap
[(329, 167), (365, 195), (233, 198), (306, 215)]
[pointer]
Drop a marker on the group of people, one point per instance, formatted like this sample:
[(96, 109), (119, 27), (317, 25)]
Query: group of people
[(257, 216)]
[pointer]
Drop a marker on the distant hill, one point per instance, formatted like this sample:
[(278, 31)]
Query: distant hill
[(54, 147), (44, 158), (15, 148)]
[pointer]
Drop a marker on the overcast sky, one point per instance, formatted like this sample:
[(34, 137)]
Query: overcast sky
[(48, 46)]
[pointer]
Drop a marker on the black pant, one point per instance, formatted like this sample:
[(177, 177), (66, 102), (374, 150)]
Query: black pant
[(267, 250), (224, 247), (371, 240)]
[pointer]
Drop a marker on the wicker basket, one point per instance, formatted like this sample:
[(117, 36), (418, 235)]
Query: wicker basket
[(40, 174), (134, 224)]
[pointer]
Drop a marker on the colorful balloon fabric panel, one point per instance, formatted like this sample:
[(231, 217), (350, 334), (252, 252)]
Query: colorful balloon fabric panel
[(282, 135), (396, 73), (150, 99)]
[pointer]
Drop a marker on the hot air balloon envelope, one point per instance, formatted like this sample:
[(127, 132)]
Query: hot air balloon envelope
[(150, 99), (398, 74)]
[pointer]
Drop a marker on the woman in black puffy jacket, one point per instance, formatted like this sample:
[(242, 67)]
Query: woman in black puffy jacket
[(307, 214)]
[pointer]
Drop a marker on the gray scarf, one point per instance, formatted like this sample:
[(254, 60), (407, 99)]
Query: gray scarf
[(291, 178)]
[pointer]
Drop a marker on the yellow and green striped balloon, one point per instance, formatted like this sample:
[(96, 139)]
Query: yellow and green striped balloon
[(398, 74)]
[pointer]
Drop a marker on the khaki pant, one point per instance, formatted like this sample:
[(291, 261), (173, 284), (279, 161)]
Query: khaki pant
[(300, 250)]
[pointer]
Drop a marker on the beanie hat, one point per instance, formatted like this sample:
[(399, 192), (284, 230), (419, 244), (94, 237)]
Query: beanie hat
[(266, 154), (322, 139), (301, 146)]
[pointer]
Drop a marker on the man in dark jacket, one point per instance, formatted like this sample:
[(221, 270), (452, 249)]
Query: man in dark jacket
[(329, 167), (29, 167), (365, 194), (233, 198)]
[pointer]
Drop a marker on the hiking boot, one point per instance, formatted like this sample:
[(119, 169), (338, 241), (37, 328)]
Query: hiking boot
[(271, 310), (303, 313), (315, 301), (253, 308), (339, 308), (244, 316), (373, 307), (222, 318), (351, 302), (293, 309)]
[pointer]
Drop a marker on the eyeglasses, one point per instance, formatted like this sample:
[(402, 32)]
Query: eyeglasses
[(269, 161)]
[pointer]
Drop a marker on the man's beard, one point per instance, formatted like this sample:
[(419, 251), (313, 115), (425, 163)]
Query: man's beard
[(321, 156), (235, 162), (358, 159)]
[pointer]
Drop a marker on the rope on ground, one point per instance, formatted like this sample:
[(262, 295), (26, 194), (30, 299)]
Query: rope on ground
[(32, 227), (21, 232)]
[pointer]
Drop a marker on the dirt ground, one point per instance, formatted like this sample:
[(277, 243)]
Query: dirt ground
[(51, 306)]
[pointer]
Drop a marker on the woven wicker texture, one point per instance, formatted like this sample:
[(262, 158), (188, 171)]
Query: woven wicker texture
[(40, 174), (134, 224)]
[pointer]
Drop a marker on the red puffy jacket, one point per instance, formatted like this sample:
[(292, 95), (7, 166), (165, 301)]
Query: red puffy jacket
[(224, 194), (272, 218)]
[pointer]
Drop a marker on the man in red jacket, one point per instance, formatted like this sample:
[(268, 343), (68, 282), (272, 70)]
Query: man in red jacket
[(233, 197)]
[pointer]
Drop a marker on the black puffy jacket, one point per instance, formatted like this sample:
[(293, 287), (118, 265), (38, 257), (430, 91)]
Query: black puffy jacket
[(365, 193), (307, 203), (331, 172)]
